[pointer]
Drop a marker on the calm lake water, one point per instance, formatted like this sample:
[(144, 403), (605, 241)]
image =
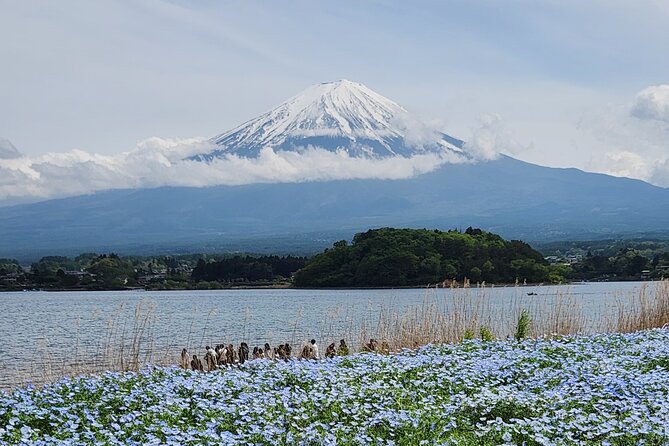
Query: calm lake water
[(59, 326)]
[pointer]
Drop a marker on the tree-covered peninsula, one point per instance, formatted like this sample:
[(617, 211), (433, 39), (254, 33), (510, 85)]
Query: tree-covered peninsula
[(416, 257)]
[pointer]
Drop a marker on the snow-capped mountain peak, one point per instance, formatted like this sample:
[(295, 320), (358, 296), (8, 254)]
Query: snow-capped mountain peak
[(341, 108), (340, 115)]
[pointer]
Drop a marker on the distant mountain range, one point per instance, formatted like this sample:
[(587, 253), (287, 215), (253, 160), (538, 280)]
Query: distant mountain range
[(507, 196)]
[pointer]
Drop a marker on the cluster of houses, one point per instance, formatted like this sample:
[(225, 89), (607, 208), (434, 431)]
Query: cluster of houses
[(14, 276), (144, 278), (568, 259), (658, 272), (160, 274)]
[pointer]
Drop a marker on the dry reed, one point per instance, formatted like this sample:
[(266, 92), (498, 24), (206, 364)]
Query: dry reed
[(644, 311), (129, 343)]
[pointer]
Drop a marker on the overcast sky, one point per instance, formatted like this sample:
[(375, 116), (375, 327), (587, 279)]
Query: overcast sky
[(570, 83)]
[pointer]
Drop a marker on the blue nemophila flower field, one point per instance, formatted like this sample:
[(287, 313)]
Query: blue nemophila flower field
[(603, 389)]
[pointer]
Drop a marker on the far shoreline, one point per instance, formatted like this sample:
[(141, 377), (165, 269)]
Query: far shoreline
[(290, 287)]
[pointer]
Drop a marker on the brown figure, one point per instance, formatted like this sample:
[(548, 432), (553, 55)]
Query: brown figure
[(231, 354), (221, 354), (342, 350), (210, 358), (371, 346), (185, 359), (307, 352), (211, 362), (196, 364), (330, 352), (243, 352)]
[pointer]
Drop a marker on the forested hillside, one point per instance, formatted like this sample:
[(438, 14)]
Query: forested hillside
[(404, 257)]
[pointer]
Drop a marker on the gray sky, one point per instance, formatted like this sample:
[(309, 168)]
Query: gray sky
[(565, 81)]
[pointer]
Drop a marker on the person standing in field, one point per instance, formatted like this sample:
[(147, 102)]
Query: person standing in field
[(343, 348), (330, 352), (210, 358), (314, 349), (243, 352), (221, 354), (185, 359), (231, 354), (307, 352), (196, 364)]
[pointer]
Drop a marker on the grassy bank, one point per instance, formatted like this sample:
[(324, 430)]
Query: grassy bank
[(591, 390)]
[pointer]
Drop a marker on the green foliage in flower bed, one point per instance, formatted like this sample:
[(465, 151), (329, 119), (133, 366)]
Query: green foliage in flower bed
[(596, 390)]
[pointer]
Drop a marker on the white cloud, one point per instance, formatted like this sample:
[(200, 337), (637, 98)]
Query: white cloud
[(652, 103), (161, 162), (490, 139), (627, 164), (417, 133), (635, 137)]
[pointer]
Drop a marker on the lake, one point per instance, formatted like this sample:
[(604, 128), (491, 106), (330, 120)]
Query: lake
[(61, 326)]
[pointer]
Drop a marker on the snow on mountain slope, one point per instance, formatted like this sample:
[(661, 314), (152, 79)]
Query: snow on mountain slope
[(342, 115)]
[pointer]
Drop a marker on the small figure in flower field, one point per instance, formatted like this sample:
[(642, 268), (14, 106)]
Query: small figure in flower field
[(342, 350), (210, 358), (307, 352), (196, 364), (243, 352), (314, 350), (185, 359), (230, 354), (330, 352), (371, 346), (221, 354)]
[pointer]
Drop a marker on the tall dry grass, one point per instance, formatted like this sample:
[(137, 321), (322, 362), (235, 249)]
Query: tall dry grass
[(648, 310), (443, 321), (128, 343)]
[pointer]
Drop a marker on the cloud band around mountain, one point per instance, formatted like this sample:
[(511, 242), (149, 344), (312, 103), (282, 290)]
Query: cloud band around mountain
[(159, 162)]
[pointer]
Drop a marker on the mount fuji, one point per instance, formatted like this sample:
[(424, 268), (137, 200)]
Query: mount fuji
[(335, 116), (505, 195)]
